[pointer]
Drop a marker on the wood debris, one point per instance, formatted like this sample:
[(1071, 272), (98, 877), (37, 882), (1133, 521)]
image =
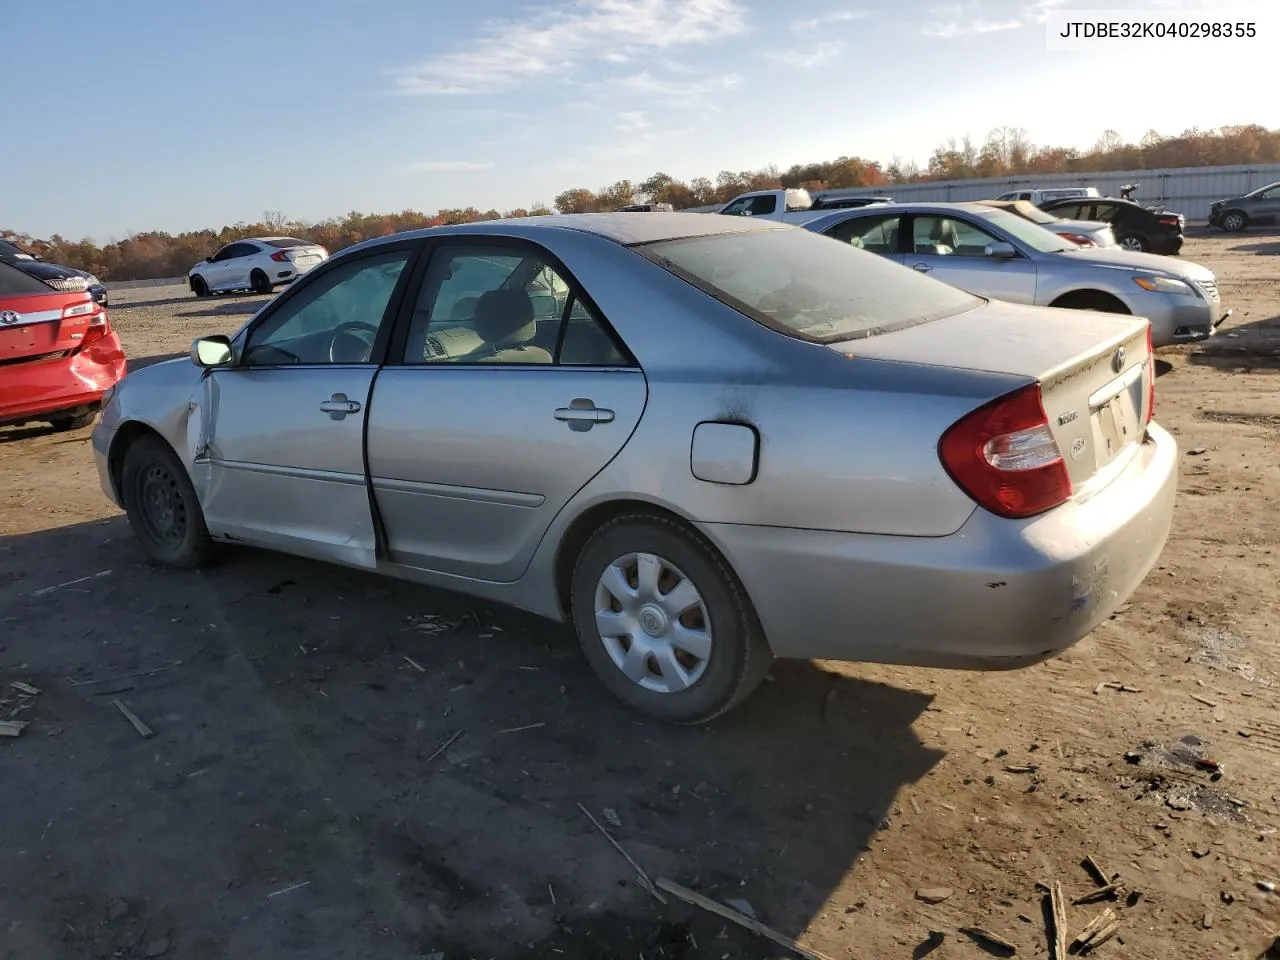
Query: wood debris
[(1058, 911), (26, 688), (1091, 936), (645, 882), (1095, 870), (1021, 768), (1205, 700), (527, 726), (741, 919), (45, 591), (12, 728), (288, 889), (444, 746), (990, 940), (143, 730), (1111, 891), (415, 664)]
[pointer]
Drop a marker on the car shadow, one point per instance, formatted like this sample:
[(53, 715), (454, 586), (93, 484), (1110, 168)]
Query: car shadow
[(236, 307), (119, 305), (1247, 348), (419, 761), (1264, 247)]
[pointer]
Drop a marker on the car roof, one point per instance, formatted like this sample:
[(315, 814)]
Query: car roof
[(623, 228)]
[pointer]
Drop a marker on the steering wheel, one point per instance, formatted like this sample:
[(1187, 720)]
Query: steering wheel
[(349, 330)]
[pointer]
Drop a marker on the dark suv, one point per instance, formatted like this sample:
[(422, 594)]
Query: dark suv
[(1135, 227), (1260, 206), (53, 274)]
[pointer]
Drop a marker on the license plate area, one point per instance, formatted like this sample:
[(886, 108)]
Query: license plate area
[(1116, 416)]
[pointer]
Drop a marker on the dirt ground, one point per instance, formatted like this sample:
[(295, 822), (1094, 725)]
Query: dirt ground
[(298, 799)]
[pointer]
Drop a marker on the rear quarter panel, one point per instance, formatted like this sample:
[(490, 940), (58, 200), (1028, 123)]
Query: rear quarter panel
[(845, 444)]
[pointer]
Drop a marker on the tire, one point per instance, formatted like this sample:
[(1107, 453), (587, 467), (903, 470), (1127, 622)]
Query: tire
[(199, 287), (162, 506), (75, 422), (259, 282), (736, 657), (1135, 242), (1233, 221), (1090, 300)]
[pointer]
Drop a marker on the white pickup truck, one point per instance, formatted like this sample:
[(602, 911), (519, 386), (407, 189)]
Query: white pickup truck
[(793, 205)]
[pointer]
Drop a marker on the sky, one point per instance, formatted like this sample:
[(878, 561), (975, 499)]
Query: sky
[(164, 115)]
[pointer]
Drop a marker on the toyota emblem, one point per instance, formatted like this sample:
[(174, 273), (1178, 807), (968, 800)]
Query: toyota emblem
[(1117, 361), (8, 317)]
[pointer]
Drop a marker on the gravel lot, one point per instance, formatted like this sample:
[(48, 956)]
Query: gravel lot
[(294, 801)]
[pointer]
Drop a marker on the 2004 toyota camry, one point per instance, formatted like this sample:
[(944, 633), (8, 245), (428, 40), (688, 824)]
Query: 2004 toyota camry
[(705, 441)]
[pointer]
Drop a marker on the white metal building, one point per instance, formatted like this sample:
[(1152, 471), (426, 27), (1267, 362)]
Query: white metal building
[(1185, 190)]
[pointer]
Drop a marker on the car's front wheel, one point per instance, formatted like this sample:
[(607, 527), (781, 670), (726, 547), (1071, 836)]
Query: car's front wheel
[(259, 282), (162, 506), (199, 287), (664, 622), (1234, 221)]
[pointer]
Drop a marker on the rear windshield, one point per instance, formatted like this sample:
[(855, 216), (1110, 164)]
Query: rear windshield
[(13, 282), (11, 251), (808, 286), (288, 242)]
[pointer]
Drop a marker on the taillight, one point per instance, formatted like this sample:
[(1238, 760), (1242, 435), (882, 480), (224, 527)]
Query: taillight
[(1151, 375), (280, 257), (1079, 239), (1004, 456), (1171, 221)]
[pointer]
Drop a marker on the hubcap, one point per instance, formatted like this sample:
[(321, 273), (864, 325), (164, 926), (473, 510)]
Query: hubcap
[(161, 508), (1233, 222), (1131, 243), (653, 623)]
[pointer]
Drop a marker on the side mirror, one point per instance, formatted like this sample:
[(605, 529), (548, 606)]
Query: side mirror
[(213, 351), (1000, 250), (208, 259)]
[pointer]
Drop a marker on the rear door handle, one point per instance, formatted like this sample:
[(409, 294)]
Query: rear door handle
[(338, 406), (922, 267), (582, 414)]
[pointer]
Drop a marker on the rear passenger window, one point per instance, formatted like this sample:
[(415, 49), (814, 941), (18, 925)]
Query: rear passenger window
[(498, 305), (875, 234)]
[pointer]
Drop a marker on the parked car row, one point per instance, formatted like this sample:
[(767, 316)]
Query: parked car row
[(55, 275), (994, 253), (999, 487)]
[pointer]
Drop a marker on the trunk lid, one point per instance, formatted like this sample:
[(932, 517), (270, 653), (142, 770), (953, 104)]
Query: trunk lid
[(1092, 369), (32, 327), (304, 258)]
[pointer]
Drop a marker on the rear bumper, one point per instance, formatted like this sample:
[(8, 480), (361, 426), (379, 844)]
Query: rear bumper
[(997, 594), (39, 389)]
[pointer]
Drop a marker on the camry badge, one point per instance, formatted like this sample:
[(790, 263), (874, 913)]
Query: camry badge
[(9, 317)]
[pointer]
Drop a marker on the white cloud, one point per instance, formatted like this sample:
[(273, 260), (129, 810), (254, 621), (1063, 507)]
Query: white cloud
[(552, 43), (956, 21), (678, 89), (448, 166), (802, 27), (806, 59), (632, 121), (1040, 10)]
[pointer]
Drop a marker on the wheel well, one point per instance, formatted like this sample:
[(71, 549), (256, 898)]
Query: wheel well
[(126, 436), (257, 270), (580, 530), (1091, 300)]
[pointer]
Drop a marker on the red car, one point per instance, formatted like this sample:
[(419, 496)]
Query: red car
[(58, 353)]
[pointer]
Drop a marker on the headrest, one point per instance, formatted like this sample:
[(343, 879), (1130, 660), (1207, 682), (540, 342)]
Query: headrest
[(505, 318)]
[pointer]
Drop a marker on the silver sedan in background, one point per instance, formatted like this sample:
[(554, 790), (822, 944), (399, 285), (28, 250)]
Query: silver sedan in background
[(995, 253), (703, 441)]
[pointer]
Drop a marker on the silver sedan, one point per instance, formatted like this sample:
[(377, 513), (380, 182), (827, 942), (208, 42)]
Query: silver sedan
[(995, 253), (703, 441)]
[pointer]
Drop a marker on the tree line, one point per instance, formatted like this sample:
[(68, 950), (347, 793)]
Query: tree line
[(1006, 151)]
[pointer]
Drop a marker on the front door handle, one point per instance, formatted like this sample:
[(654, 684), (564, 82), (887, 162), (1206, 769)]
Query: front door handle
[(338, 406), (922, 267), (583, 414)]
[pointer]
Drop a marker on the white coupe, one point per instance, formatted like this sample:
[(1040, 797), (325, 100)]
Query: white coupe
[(259, 264)]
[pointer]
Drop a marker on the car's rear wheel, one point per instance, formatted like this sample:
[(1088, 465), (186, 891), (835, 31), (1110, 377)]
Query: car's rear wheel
[(1234, 221), (162, 506), (259, 282), (199, 287), (73, 422), (664, 622), (1135, 242)]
